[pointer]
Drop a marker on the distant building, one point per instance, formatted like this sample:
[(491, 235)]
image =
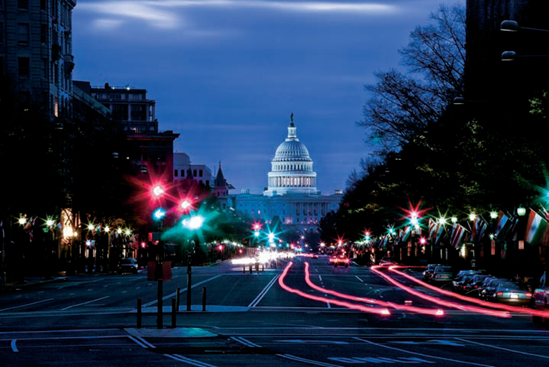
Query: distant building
[(36, 51), (291, 195), (136, 114), (182, 169), (220, 190)]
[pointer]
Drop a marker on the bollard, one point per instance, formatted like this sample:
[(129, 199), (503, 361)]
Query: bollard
[(173, 312), (250, 268), (203, 298), (257, 267), (178, 297), (244, 268), (139, 303)]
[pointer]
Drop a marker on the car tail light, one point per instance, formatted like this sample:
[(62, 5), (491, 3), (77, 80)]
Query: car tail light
[(528, 294), (500, 293)]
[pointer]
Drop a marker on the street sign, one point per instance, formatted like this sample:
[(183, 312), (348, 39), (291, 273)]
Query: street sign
[(159, 270)]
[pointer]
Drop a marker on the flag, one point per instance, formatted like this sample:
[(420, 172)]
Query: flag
[(439, 233), (535, 228), (477, 228), (457, 235), (432, 228), (501, 221), (508, 229), (406, 234)]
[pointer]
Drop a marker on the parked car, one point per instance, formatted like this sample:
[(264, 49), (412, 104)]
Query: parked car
[(457, 283), (513, 294), (475, 284), (128, 265), (442, 274), (460, 285), (429, 271), (541, 303), (488, 291)]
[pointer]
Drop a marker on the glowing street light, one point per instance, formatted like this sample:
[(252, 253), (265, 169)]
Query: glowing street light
[(194, 222), (157, 191)]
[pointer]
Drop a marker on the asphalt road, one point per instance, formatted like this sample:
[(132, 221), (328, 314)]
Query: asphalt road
[(270, 318)]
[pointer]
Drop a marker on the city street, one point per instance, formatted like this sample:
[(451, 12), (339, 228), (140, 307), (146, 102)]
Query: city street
[(250, 319)]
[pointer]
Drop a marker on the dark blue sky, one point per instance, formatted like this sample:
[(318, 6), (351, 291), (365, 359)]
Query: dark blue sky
[(226, 74)]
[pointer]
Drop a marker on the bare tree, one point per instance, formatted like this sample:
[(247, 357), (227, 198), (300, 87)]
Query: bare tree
[(402, 106)]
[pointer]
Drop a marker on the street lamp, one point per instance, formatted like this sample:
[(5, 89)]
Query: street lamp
[(192, 223), (512, 26)]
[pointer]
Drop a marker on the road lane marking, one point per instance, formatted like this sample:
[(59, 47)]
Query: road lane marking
[(13, 346), (423, 355), (263, 292), (359, 278), (28, 304), (84, 303), (246, 342), (180, 358), (183, 290), (141, 342), (501, 348), (308, 361)]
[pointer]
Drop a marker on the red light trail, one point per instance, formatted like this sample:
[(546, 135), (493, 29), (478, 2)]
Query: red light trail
[(438, 301), (420, 310), (472, 300), (380, 311)]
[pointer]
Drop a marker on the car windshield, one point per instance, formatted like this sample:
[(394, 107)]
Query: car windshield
[(445, 269), (127, 261), (508, 286)]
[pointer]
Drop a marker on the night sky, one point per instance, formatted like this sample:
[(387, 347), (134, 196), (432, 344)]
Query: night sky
[(227, 74)]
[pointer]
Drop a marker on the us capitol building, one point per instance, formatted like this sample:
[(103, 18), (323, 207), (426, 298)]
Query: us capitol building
[(292, 194)]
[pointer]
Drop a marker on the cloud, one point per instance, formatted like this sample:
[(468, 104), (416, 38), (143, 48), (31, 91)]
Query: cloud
[(145, 11), (162, 13), (107, 24)]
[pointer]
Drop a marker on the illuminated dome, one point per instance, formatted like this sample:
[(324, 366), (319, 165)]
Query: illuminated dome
[(291, 168)]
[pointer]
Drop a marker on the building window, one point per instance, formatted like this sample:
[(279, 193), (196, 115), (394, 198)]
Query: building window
[(44, 70), (23, 34), (175, 173), (200, 173), (43, 34), (56, 108), (23, 64), (43, 4), (23, 4), (194, 173)]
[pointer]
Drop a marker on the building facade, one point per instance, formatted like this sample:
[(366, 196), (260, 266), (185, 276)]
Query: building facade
[(36, 52), (291, 196), (131, 108), (182, 169)]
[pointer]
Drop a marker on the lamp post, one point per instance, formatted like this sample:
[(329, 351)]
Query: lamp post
[(192, 223)]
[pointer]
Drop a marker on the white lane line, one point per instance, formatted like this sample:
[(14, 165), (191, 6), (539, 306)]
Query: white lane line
[(13, 346), (180, 358), (423, 355), (263, 292), (505, 349), (28, 304), (359, 278), (320, 277), (246, 342), (84, 303), (308, 361), (141, 342), (183, 290)]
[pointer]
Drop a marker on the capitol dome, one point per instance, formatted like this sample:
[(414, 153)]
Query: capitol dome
[(291, 168), (292, 150)]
